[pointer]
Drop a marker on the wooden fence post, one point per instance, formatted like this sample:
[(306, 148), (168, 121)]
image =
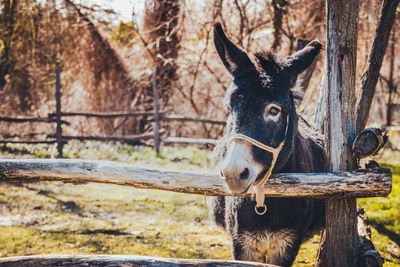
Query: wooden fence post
[(156, 113), (341, 236), (391, 84), (60, 143)]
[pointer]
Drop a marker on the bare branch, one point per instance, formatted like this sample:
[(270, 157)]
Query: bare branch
[(371, 74)]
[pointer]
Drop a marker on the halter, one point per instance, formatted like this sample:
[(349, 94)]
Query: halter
[(259, 185)]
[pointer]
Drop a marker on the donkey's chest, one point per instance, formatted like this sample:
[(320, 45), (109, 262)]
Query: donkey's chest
[(266, 246)]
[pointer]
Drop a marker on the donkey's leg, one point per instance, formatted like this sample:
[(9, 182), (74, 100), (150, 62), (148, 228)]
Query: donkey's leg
[(278, 247), (217, 210), (284, 252)]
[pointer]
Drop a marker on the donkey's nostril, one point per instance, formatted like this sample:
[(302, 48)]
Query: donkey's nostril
[(245, 174)]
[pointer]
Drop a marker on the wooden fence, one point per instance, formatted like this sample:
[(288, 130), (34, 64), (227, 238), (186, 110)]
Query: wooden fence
[(157, 116)]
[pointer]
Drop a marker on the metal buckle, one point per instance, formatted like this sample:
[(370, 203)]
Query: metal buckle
[(260, 212)]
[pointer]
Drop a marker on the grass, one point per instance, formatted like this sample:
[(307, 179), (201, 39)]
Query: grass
[(57, 218)]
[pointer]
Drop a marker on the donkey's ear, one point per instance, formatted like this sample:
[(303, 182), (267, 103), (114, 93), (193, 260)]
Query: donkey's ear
[(232, 56), (302, 59)]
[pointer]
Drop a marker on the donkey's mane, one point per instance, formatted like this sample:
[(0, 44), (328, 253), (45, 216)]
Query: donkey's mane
[(272, 63)]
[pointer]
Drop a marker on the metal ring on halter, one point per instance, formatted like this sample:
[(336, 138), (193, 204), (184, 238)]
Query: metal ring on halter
[(260, 212)]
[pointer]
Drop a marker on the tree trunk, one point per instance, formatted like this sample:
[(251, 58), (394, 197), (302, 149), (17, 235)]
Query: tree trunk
[(340, 248), (8, 21), (371, 74), (161, 22), (279, 11)]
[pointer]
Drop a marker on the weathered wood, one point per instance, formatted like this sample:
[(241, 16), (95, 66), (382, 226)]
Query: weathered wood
[(321, 105), (5, 141), (109, 115), (133, 138), (60, 143), (321, 185), (118, 260), (341, 233), (375, 58), (368, 256), (390, 81), (184, 140), (341, 69), (369, 141), (156, 129), (340, 248), (190, 119), (29, 119)]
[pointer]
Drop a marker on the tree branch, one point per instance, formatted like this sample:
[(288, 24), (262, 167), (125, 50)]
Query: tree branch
[(371, 74)]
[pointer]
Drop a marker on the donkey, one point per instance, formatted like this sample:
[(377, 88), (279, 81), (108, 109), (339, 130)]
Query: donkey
[(264, 135)]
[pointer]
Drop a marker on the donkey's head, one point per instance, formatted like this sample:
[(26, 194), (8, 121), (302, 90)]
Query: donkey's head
[(262, 120)]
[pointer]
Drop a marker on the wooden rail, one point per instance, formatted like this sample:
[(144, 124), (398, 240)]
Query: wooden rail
[(156, 127), (60, 143), (190, 119), (5, 141), (184, 140), (118, 260), (133, 138), (105, 114), (162, 116), (30, 119), (318, 185)]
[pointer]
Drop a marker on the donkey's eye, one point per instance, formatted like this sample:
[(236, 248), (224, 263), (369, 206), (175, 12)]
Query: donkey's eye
[(273, 111)]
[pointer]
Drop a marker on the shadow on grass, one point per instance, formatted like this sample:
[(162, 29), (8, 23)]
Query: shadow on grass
[(15, 150), (381, 228), (92, 232)]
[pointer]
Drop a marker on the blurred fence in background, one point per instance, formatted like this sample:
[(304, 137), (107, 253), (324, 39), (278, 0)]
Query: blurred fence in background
[(155, 115)]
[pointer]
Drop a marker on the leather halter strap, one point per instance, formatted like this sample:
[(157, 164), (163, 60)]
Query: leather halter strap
[(259, 185)]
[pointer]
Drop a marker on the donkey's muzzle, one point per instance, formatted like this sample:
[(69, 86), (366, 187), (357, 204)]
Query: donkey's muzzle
[(239, 169)]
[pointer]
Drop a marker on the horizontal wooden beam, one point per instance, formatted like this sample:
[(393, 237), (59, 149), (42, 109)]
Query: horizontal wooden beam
[(117, 260), (133, 138), (30, 119), (5, 141), (319, 185), (190, 119), (105, 114), (184, 140)]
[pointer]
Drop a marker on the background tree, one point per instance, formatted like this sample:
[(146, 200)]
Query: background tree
[(104, 67)]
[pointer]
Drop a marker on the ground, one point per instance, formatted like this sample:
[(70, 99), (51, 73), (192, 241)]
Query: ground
[(57, 218)]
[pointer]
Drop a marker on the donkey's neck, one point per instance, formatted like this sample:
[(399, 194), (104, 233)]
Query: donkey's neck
[(307, 153)]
